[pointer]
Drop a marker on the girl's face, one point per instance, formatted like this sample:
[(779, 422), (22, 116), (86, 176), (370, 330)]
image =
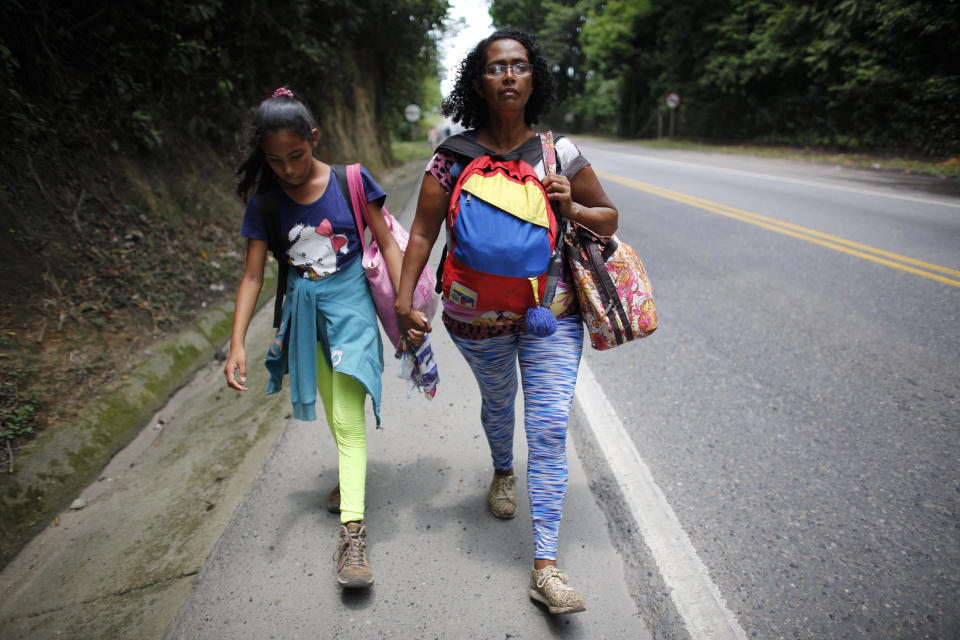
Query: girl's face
[(509, 90), (290, 156)]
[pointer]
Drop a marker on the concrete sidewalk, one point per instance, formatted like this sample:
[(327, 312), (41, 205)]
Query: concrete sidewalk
[(122, 565), (212, 525)]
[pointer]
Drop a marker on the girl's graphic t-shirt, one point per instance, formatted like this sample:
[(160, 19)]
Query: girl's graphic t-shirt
[(321, 237)]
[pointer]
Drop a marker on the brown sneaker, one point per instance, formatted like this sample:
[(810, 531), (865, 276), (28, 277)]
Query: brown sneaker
[(333, 500), (551, 586), (353, 569), (502, 498)]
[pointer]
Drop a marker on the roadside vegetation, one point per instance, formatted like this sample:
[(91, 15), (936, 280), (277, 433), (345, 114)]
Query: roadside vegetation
[(873, 77), (18, 413)]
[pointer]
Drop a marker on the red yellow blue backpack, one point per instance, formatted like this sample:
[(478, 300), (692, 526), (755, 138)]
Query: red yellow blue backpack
[(502, 248)]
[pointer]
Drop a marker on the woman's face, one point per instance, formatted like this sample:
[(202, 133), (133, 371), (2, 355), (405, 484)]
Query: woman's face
[(290, 156), (508, 92)]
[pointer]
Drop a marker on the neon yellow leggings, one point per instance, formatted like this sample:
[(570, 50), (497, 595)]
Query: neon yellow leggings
[(343, 399)]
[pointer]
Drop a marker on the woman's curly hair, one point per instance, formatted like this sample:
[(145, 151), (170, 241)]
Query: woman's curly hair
[(465, 106)]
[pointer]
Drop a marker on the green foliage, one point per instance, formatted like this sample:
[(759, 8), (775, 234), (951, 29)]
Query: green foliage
[(522, 14), (411, 151), (18, 409), (610, 36), (844, 73), (125, 72), (613, 41)]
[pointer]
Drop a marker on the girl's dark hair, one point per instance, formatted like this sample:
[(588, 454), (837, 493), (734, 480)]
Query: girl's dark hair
[(282, 112), (463, 104)]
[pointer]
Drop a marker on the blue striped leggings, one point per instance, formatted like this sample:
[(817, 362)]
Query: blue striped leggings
[(548, 371)]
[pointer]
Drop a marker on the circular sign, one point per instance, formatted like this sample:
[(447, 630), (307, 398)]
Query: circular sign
[(673, 100), (412, 113)]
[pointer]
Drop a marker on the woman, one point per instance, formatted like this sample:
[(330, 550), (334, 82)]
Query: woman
[(503, 86)]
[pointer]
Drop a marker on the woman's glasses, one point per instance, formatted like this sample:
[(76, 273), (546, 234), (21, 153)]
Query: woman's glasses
[(520, 69)]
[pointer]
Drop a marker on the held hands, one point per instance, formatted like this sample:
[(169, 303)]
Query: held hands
[(558, 191), (413, 325), (236, 369)]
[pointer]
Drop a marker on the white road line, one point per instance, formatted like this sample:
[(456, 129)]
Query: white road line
[(800, 181), (696, 598)]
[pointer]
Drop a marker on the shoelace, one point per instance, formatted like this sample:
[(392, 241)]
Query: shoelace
[(504, 487), (351, 547), (553, 572)]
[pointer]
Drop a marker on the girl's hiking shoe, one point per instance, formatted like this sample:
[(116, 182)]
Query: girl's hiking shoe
[(502, 498), (353, 568), (551, 586), (333, 500)]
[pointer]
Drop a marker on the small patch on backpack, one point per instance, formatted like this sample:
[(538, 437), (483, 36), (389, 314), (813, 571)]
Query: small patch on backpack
[(463, 296)]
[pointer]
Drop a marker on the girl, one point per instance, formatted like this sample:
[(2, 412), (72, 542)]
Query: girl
[(328, 336)]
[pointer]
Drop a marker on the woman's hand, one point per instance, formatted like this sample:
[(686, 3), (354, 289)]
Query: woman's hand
[(431, 210), (236, 368), (413, 325), (558, 191), (583, 201)]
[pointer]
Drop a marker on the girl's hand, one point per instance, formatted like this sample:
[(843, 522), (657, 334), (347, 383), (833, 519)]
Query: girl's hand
[(558, 191), (236, 369), (413, 325)]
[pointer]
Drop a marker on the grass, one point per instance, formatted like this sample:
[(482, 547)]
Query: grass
[(18, 413), (408, 151)]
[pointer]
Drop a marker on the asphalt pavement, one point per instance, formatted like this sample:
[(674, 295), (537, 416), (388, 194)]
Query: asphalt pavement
[(212, 524)]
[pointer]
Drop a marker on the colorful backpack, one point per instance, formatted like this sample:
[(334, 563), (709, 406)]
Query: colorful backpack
[(503, 250)]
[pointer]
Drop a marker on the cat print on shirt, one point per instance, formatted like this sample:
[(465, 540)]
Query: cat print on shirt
[(315, 248)]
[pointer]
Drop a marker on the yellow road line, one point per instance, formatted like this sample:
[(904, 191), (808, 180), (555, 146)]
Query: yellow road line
[(866, 252)]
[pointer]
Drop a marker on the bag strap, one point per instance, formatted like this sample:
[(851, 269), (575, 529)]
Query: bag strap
[(606, 288), (549, 154), (351, 186), (268, 206)]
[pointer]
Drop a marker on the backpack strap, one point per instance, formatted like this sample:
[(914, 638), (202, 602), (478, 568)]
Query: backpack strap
[(341, 171), (268, 206), (466, 148)]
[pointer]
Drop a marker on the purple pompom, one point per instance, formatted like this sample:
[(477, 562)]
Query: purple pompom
[(541, 322)]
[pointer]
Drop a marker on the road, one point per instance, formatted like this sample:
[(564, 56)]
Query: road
[(797, 409)]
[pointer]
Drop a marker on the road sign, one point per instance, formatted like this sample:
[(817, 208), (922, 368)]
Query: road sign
[(412, 113), (673, 100)]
